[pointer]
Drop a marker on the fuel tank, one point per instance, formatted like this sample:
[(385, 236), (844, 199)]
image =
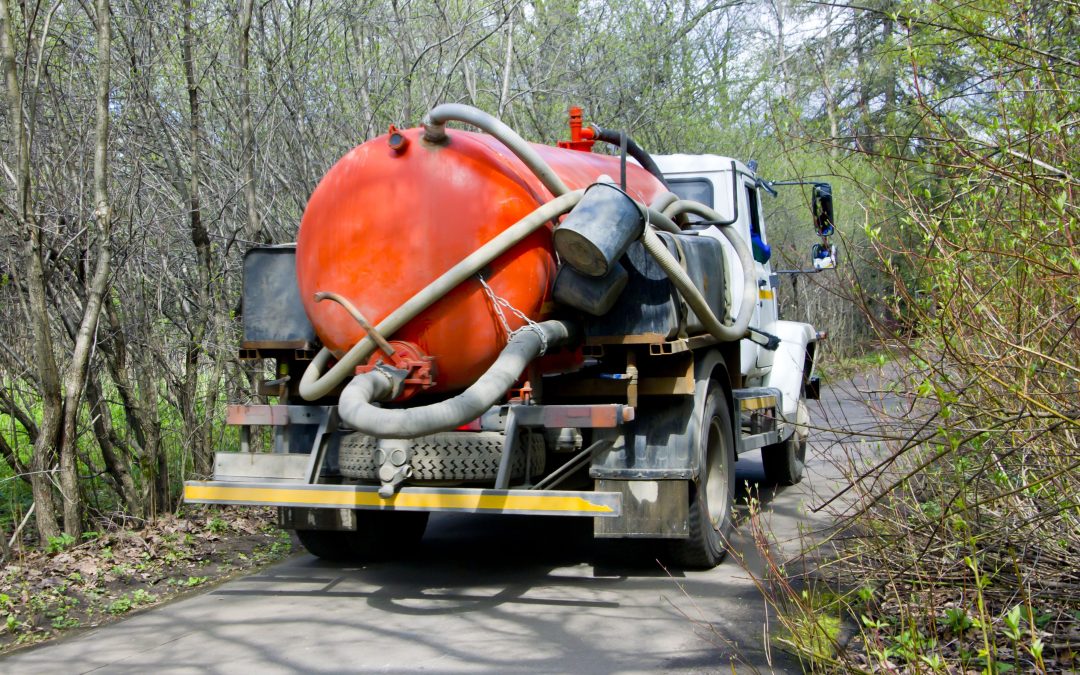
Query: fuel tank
[(388, 219)]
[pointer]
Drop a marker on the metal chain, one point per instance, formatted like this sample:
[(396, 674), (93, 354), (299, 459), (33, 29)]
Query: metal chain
[(500, 304)]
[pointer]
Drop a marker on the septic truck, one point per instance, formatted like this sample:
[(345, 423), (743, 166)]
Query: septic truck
[(471, 323)]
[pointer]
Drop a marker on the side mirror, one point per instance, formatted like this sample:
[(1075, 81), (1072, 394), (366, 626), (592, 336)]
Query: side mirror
[(823, 257), (823, 209)]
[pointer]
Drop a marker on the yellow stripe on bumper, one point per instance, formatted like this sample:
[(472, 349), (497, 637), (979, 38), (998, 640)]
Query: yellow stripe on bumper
[(757, 403), (460, 500)]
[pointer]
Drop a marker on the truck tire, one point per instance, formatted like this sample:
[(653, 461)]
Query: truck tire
[(449, 456), (784, 463), (327, 545), (712, 495), (379, 535)]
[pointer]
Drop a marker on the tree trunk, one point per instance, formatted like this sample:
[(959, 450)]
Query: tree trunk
[(75, 375), (117, 465), (200, 238), (247, 129), (41, 461), (504, 92), (139, 399)]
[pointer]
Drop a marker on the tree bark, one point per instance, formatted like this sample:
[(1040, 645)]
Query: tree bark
[(75, 375), (117, 465), (200, 238), (41, 461), (247, 129)]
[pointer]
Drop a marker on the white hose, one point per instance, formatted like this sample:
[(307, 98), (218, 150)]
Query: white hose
[(315, 384), (663, 201), (435, 132), (655, 246), (662, 222)]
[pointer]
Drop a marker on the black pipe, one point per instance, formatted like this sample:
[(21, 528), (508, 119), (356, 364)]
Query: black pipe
[(636, 151)]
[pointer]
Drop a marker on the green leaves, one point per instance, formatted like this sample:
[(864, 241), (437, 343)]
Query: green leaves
[(958, 620), (60, 542), (1012, 623)]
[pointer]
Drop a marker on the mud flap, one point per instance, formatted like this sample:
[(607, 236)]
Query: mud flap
[(651, 509)]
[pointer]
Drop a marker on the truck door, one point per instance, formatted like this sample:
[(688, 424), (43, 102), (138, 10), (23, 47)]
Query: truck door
[(766, 311)]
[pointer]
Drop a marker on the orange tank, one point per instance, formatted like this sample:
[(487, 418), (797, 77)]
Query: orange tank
[(386, 221)]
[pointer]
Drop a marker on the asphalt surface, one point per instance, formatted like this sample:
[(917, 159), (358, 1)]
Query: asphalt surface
[(488, 594)]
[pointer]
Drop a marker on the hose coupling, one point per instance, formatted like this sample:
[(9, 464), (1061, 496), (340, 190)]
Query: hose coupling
[(395, 378), (434, 132)]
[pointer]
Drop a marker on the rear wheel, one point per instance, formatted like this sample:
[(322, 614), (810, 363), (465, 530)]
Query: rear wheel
[(387, 534), (328, 545), (785, 462), (379, 535), (712, 494)]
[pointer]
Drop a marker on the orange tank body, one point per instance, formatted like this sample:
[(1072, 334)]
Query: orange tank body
[(384, 223)]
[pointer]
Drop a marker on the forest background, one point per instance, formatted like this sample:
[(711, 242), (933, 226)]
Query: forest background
[(146, 145)]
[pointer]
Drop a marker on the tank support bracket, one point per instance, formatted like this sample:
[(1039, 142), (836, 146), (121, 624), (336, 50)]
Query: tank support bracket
[(602, 416), (606, 416)]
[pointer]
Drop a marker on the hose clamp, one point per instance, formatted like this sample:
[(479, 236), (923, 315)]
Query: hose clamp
[(395, 377), (534, 327)]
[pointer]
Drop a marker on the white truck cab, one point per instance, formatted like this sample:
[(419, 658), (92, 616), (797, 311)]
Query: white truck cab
[(708, 179)]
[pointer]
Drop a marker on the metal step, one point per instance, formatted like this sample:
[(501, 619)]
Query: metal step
[(758, 417)]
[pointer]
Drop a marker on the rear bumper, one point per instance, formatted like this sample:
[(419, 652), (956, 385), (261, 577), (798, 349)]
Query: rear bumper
[(452, 500)]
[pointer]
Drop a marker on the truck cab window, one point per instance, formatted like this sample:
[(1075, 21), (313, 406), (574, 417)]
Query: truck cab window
[(694, 189)]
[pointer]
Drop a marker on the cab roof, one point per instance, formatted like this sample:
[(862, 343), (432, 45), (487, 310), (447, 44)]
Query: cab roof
[(685, 164)]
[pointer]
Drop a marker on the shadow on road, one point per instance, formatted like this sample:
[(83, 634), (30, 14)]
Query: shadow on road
[(484, 593), (509, 553), (541, 576)]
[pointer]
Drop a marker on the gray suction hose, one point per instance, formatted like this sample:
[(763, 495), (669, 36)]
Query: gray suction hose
[(697, 208), (655, 246), (657, 216), (315, 384), (663, 201), (357, 403), (661, 221), (686, 287), (435, 132)]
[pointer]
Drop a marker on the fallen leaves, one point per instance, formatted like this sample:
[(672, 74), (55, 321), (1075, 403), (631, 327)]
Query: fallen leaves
[(121, 569)]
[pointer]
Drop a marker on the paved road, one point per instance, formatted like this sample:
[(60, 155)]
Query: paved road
[(486, 594)]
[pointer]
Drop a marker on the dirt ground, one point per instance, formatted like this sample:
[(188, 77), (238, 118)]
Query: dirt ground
[(46, 594)]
